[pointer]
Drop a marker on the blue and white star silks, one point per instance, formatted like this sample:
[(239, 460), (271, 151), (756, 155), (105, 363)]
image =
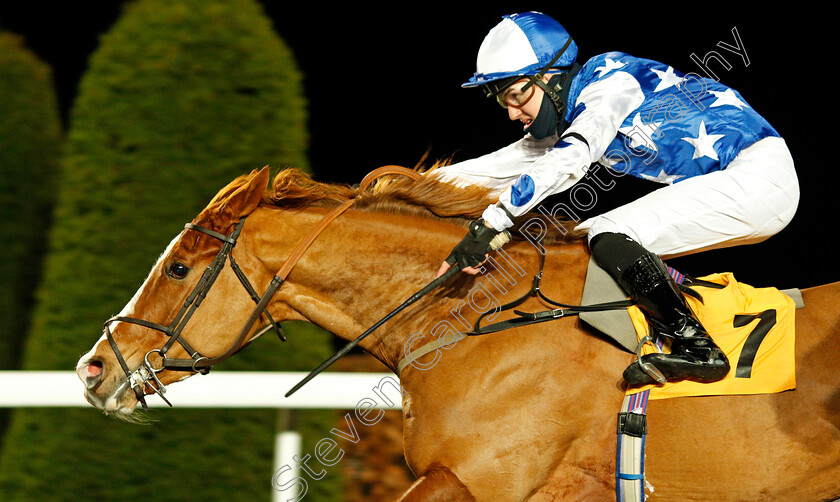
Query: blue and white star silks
[(686, 125), (663, 177), (608, 66), (667, 79), (640, 133), (704, 144), (635, 116), (522, 191), (727, 97)]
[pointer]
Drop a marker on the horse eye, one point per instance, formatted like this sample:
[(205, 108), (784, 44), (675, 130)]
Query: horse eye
[(178, 270)]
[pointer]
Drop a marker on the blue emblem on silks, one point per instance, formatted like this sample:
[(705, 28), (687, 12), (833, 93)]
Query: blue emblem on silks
[(522, 190)]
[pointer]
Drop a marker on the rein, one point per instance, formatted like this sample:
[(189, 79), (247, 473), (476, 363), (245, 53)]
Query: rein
[(527, 318), (146, 373), (523, 319)]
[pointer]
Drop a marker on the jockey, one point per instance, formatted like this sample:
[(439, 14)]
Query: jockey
[(727, 176)]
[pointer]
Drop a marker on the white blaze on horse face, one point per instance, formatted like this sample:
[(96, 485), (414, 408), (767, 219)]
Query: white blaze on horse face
[(127, 311)]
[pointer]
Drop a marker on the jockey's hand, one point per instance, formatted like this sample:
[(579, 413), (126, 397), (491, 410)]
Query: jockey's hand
[(474, 248)]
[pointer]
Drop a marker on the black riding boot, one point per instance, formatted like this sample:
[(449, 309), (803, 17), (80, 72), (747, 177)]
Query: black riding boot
[(694, 356)]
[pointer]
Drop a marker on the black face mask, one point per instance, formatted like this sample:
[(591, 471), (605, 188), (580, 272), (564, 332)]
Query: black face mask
[(545, 123)]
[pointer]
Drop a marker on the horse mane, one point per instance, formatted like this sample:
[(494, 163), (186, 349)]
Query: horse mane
[(427, 196)]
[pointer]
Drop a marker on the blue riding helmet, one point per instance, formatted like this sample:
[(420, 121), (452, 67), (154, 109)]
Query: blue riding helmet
[(526, 44)]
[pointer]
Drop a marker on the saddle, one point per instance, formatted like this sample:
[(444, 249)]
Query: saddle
[(600, 288), (754, 326)]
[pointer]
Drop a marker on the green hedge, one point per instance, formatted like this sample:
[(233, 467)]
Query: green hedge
[(30, 139), (180, 97)]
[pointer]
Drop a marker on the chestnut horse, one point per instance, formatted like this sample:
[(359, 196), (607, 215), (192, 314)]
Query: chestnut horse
[(522, 415)]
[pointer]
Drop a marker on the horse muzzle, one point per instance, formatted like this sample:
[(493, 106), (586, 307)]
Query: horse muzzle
[(107, 390)]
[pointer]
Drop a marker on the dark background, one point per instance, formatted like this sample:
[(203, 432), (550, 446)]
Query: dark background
[(383, 86)]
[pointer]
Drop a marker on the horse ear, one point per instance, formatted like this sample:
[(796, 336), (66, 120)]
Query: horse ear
[(247, 197), (240, 197)]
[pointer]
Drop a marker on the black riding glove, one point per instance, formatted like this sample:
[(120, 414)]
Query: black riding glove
[(476, 245)]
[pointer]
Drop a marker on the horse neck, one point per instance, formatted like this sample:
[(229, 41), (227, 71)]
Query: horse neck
[(365, 264)]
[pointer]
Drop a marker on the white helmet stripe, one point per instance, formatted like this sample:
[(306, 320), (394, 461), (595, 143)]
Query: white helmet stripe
[(522, 44), (506, 48)]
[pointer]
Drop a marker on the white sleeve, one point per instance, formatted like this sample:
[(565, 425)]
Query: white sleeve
[(606, 103), (497, 170)]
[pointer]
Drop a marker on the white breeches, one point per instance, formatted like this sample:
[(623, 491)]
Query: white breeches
[(752, 199)]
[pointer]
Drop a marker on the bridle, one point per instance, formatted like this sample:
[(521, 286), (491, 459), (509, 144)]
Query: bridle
[(146, 374)]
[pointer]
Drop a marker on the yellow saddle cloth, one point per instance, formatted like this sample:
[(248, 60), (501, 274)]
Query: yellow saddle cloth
[(753, 326)]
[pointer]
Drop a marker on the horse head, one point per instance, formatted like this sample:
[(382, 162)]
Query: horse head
[(158, 324)]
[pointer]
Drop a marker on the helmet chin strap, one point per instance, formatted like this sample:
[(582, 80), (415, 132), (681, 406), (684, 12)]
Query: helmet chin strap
[(556, 92), (547, 119), (556, 89)]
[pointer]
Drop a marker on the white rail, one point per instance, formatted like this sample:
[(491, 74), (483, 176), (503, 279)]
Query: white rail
[(219, 389), (224, 389)]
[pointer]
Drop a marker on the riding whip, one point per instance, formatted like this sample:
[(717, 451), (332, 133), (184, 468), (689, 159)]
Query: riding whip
[(347, 348)]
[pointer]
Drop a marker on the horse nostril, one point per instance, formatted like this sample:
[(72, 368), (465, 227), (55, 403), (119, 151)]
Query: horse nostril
[(94, 369)]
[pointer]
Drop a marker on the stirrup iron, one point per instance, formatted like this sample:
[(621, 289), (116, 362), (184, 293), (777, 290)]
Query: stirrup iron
[(649, 368)]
